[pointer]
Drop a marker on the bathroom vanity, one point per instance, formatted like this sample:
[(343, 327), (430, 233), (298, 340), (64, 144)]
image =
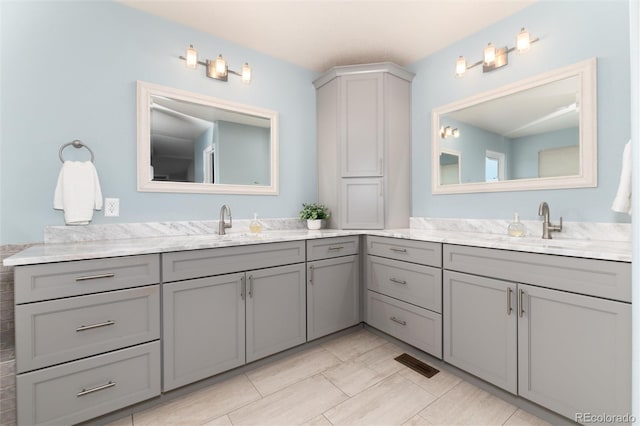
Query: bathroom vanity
[(104, 325)]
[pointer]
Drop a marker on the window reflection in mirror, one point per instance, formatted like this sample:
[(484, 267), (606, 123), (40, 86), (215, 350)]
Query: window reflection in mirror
[(533, 134)]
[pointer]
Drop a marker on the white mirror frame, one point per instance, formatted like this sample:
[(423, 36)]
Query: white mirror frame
[(145, 180), (588, 176)]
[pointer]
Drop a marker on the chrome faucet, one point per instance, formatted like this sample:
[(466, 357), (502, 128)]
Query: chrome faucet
[(221, 224), (547, 227)]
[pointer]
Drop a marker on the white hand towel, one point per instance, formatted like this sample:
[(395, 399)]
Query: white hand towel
[(78, 192), (622, 202)]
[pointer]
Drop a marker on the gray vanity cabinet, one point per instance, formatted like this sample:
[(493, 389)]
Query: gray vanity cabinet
[(333, 285), (404, 291), (276, 315), (574, 352), (87, 337), (364, 138), (480, 327), (204, 328), (223, 313)]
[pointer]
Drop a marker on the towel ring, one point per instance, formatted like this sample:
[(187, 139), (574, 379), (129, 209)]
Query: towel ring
[(76, 144)]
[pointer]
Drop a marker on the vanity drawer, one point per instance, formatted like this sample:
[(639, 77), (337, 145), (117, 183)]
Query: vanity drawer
[(58, 331), (326, 248), (421, 252), (183, 265), (81, 390), (64, 279), (416, 326), (415, 284), (601, 278)]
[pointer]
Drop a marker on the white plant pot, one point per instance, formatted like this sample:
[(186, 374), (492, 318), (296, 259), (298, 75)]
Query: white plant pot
[(314, 223)]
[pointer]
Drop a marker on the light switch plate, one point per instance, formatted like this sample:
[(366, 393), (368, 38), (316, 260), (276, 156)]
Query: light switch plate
[(112, 207)]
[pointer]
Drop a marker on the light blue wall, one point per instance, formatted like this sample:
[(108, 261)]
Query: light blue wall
[(69, 71), (245, 155), (525, 150), (569, 31)]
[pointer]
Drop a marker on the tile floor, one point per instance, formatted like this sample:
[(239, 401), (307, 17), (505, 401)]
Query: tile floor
[(351, 380)]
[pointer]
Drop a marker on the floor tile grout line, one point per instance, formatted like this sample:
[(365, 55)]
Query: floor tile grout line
[(245, 404), (512, 414), (325, 417)]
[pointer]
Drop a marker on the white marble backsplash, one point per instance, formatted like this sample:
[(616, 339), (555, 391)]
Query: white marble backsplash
[(570, 230), (122, 231)]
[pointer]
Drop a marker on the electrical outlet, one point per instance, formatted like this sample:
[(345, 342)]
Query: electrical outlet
[(112, 207)]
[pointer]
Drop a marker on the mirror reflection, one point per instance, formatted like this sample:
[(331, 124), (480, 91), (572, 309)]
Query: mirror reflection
[(194, 143), (538, 133), (530, 134)]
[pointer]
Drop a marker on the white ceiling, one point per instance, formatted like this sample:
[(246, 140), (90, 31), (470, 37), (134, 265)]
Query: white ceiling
[(320, 34)]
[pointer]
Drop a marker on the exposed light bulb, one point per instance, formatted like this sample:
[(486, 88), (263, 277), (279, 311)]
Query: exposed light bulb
[(246, 73), (191, 57), (221, 67), (523, 41), (461, 66), (489, 54), (456, 133)]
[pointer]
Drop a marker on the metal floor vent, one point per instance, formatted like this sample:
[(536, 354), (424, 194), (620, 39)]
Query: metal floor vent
[(417, 365)]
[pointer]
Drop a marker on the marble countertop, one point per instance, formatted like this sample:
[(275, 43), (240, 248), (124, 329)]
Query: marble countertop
[(46, 253)]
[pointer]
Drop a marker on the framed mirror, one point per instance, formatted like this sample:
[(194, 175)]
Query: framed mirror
[(539, 133), (193, 143)]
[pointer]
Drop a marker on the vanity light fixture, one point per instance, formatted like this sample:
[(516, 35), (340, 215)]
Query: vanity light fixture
[(494, 58), (448, 132), (218, 68)]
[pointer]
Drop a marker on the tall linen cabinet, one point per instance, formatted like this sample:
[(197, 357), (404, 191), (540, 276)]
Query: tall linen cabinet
[(364, 145)]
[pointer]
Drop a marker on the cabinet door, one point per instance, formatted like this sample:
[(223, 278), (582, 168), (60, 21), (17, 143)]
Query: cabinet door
[(480, 324), (361, 115), (276, 314), (204, 323), (333, 295), (574, 352), (362, 203)]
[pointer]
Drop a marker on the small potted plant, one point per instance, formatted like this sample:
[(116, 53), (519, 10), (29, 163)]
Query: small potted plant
[(314, 214)]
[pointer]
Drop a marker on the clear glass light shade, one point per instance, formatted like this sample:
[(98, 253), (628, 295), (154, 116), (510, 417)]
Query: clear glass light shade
[(246, 73), (489, 54), (191, 56), (221, 66), (448, 131), (456, 133), (523, 41), (461, 66)]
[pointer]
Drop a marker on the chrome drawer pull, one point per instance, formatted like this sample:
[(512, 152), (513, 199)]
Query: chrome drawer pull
[(399, 250), (311, 274), (509, 308), (243, 287), (251, 286), (84, 392), (521, 303), (336, 247), (394, 319), (394, 280), (92, 326), (95, 277)]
